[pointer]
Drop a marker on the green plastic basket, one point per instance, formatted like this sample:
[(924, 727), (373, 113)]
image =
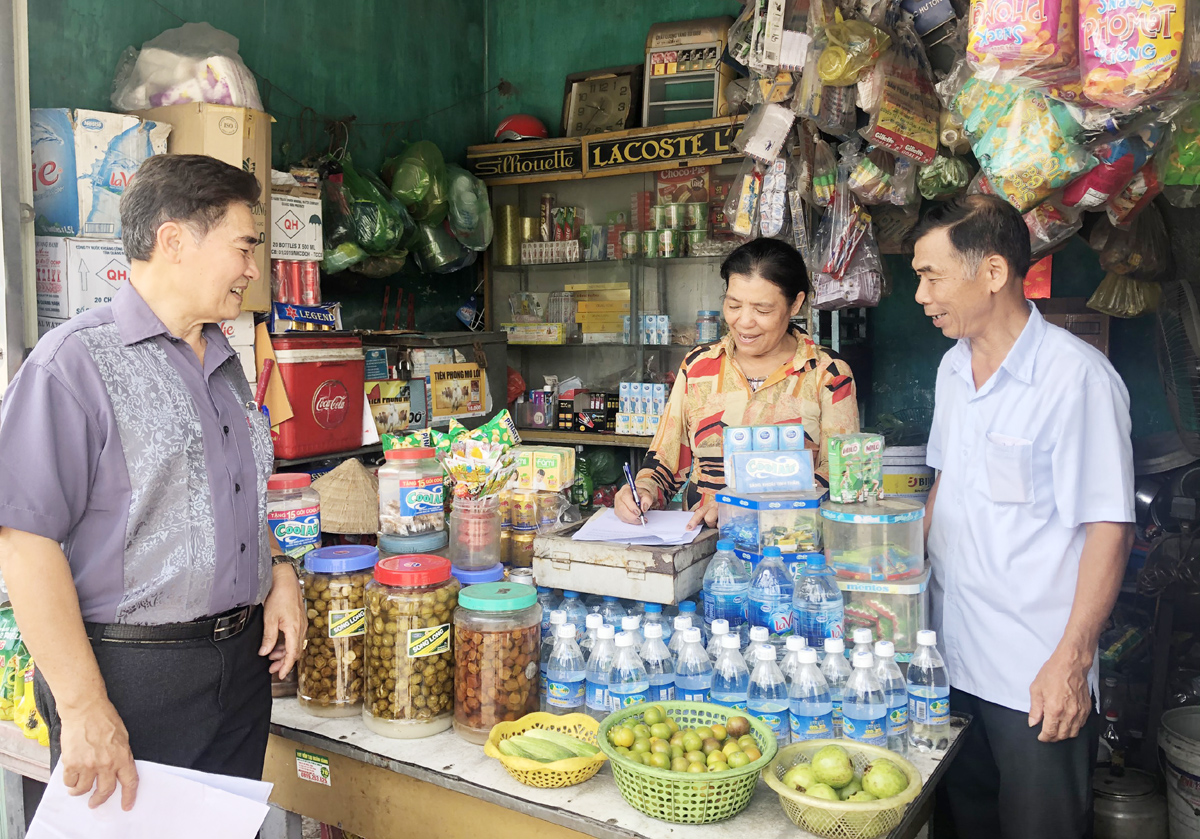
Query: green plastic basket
[(681, 797)]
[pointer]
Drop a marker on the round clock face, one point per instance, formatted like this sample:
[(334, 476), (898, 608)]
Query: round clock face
[(600, 105)]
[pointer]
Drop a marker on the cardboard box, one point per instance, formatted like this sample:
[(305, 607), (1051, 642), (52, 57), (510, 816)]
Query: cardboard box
[(682, 186), (535, 333), (82, 162), (548, 468), (296, 231), (240, 137), (771, 471), (602, 306), (1072, 314), (239, 331), (74, 275), (44, 325)]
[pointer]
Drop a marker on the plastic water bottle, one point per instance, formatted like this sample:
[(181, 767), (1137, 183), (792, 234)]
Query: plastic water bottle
[(726, 591), (767, 695), (688, 607), (864, 711), (627, 680), (771, 590), (718, 630), (633, 625), (612, 610), (731, 677), (928, 696), (760, 636), (791, 661), (659, 669), (565, 674), (693, 669), (546, 601), (895, 695), (864, 642), (576, 611), (679, 624), (596, 679), (818, 610), (654, 615), (557, 618), (593, 602), (593, 624), (636, 608), (809, 701), (836, 671)]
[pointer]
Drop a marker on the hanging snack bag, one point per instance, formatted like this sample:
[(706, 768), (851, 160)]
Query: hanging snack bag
[(871, 176), (1130, 52), (1140, 191), (981, 104), (860, 284), (1181, 159), (843, 226), (741, 207), (1011, 38), (1118, 160), (807, 101), (824, 174), (11, 649), (852, 46), (772, 204), (1050, 224), (1142, 250), (1122, 296)]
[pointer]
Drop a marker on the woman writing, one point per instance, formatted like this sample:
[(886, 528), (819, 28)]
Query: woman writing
[(763, 372)]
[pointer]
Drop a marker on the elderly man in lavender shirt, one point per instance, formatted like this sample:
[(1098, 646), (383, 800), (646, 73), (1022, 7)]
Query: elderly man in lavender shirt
[(133, 474)]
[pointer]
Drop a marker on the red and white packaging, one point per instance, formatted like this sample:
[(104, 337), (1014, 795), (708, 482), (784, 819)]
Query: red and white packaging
[(323, 377)]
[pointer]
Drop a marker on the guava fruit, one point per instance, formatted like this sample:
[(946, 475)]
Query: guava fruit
[(883, 779), (800, 777), (823, 791), (832, 766), (854, 786)]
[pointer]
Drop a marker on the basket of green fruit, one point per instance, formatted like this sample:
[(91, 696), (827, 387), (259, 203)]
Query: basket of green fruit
[(686, 762), (841, 789), (546, 750)]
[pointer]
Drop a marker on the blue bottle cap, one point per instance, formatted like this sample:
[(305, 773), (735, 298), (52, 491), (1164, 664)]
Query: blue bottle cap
[(470, 577), (724, 544), (569, 594), (608, 598), (687, 606), (543, 590), (771, 550), (816, 560), (653, 607)]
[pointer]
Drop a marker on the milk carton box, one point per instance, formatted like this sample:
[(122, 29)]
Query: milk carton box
[(662, 329), (660, 390), (766, 438), (735, 439), (791, 437), (74, 275), (855, 467)]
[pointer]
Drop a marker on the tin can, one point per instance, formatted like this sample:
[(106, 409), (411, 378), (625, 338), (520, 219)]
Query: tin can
[(505, 545), (670, 242), (278, 281), (658, 216), (548, 504), (523, 509), (295, 282), (695, 216), (310, 283), (522, 549), (505, 509), (649, 242), (546, 219), (630, 243), (521, 576), (695, 237), (673, 216)]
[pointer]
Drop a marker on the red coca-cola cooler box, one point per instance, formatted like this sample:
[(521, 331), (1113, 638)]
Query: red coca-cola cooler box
[(323, 377)]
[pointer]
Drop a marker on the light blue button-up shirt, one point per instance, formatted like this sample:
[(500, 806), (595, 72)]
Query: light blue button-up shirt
[(1037, 452)]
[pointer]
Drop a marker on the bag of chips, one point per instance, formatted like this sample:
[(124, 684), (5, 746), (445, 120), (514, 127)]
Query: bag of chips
[(1137, 194), (1131, 53), (1118, 160), (1006, 39), (1050, 224)]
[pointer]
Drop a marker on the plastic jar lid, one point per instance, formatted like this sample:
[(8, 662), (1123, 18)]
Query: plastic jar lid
[(419, 543), (417, 453), (708, 313), (471, 577), (497, 597), (289, 480), (411, 570), (888, 511), (341, 559)]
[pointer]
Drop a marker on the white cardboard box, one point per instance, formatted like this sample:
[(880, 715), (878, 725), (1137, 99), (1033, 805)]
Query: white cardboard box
[(74, 275), (240, 331), (44, 325), (296, 228)]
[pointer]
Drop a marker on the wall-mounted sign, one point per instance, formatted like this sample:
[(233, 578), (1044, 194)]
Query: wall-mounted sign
[(498, 163), (660, 149)]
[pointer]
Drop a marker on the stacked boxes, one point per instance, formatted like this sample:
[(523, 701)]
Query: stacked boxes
[(656, 329), (855, 467), (640, 408), (601, 311), (756, 459)]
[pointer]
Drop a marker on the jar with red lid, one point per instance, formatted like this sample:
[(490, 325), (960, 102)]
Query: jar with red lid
[(294, 512), (411, 493), (409, 652)]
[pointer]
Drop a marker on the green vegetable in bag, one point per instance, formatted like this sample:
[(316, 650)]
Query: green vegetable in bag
[(380, 222), (342, 257)]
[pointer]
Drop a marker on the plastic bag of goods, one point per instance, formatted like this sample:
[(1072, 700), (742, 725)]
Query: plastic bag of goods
[(418, 178), (871, 175), (773, 203), (1118, 161), (906, 119), (1131, 52), (1050, 224), (944, 178), (1122, 296), (741, 207), (1142, 250), (860, 284), (194, 63), (824, 174), (1007, 39), (1181, 161), (470, 214), (438, 252), (1124, 207), (843, 226), (851, 47), (380, 222)]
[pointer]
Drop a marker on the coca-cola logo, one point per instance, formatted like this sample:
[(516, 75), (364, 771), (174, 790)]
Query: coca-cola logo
[(329, 404)]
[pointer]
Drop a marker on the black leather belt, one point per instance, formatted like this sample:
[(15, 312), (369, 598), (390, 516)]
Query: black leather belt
[(220, 628)]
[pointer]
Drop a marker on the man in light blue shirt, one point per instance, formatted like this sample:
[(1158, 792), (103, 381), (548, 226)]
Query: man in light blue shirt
[(1027, 527)]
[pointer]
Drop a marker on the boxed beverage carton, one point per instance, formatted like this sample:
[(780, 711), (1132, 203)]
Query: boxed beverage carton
[(550, 468), (855, 467), (74, 275), (754, 472)]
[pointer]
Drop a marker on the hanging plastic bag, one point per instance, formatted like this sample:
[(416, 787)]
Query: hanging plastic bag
[(1122, 296), (824, 174), (1130, 53), (806, 103), (1142, 251), (470, 214), (1005, 41), (1118, 160), (952, 134), (193, 63), (904, 183), (944, 178), (893, 225), (842, 227), (906, 122), (860, 284), (1123, 207), (773, 203), (741, 207), (982, 104), (871, 175), (1181, 159), (838, 115), (1051, 224), (418, 178), (765, 132), (438, 252), (852, 46), (801, 227), (380, 222)]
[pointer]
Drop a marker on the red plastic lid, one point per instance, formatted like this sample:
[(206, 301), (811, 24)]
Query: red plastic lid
[(416, 453), (412, 570), (289, 480), (316, 342)]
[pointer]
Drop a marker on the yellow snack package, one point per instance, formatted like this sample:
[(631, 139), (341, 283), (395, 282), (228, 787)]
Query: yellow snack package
[(26, 714), (1130, 52)]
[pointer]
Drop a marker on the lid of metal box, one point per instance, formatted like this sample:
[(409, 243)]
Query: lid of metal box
[(802, 500)]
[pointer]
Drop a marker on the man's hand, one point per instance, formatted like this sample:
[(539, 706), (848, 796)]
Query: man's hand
[(283, 612), (1059, 697), (624, 507), (705, 514), (95, 752)]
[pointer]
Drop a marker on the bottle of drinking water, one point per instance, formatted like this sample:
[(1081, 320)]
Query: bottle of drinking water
[(546, 601), (864, 712), (654, 615), (693, 669), (576, 611), (627, 681), (612, 610), (817, 606), (718, 630), (593, 624), (770, 602), (864, 642), (767, 695), (809, 701), (565, 674), (596, 680), (593, 603), (687, 607), (557, 618), (633, 625), (659, 668), (680, 623), (836, 671), (760, 636), (791, 659), (928, 696), (895, 694), (726, 590), (731, 677)]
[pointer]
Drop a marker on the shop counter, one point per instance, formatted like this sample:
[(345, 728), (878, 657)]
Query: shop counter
[(338, 772)]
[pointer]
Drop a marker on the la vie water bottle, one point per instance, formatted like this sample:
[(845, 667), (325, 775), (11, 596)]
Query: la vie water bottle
[(928, 696), (693, 669), (808, 700), (895, 694), (726, 590), (836, 671), (731, 677), (767, 696), (596, 680)]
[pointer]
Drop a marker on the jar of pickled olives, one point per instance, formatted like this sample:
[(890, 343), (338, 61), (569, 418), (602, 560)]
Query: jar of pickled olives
[(331, 666), (497, 640), (409, 649)]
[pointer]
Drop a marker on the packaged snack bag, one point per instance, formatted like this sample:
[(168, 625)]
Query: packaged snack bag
[(1181, 162), (1011, 38), (1130, 52), (1118, 160), (852, 47), (1140, 191)]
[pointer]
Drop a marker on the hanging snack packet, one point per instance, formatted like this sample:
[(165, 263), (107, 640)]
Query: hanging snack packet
[(1181, 159), (1051, 224), (10, 650), (907, 120), (1142, 250), (1140, 191), (773, 204), (824, 174), (741, 207), (852, 46), (871, 175), (944, 178), (1119, 159), (1122, 296), (1007, 39), (1131, 52), (807, 101), (892, 227), (981, 104)]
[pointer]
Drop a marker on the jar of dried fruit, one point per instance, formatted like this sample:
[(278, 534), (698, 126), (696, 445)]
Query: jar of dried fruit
[(410, 665)]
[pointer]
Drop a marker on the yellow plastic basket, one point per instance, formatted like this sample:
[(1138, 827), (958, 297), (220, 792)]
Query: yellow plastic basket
[(560, 773), (841, 819)]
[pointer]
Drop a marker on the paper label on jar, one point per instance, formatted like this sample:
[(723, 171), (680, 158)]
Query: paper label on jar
[(347, 623), (430, 640), (421, 496), (297, 531)]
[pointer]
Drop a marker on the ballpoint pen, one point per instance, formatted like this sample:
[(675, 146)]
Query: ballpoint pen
[(636, 499)]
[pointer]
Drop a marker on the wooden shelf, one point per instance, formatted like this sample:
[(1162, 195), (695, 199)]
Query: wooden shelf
[(572, 438)]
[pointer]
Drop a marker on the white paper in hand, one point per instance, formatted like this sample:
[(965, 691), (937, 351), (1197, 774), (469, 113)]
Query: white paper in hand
[(180, 803), (663, 527)]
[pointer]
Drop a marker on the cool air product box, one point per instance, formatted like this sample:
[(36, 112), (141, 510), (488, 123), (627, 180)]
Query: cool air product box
[(74, 275), (755, 472), (855, 467)]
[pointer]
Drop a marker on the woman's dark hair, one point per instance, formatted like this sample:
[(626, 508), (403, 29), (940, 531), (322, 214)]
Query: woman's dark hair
[(775, 261)]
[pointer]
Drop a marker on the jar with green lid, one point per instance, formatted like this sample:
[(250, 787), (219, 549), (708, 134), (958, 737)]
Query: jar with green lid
[(497, 639), (409, 648), (330, 682)]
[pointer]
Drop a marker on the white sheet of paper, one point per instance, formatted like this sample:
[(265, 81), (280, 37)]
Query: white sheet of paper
[(663, 527), (182, 804)]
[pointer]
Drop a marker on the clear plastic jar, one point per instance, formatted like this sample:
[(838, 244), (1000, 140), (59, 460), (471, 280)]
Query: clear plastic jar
[(475, 532), (708, 326), (331, 666), (411, 495), (410, 658), (497, 640), (294, 512)]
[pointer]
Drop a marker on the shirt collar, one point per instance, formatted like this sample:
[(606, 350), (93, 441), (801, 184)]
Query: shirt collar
[(806, 351), (1021, 356), (137, 322)]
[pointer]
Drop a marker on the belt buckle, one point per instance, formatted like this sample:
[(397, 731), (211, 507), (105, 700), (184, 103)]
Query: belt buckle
[(230, 625)]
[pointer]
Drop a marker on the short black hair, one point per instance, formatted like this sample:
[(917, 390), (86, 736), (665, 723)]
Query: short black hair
[(775, 261), (980, 226), (191, 188)]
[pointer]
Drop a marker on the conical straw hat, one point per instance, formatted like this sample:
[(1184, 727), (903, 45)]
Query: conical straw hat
[(349, 499)]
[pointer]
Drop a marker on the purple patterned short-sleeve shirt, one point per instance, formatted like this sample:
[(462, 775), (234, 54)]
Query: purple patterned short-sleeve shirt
[(149, 468)]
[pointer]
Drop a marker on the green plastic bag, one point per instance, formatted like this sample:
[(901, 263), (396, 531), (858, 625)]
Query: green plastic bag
[(380, 222), (418, 179)]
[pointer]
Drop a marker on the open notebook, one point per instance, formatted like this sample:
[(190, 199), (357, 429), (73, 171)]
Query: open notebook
[(663, 527)]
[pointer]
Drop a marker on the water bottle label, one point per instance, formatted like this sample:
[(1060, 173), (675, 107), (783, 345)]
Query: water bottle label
[(661, 693), (929, 711), (776, 617), (597, 696), (812, 728), (778, 723), (625, 700), (686, 695), (837, 718), (897, 722), (871, 732), (730, 607), (542, 681), (735, 704), (564, 694)]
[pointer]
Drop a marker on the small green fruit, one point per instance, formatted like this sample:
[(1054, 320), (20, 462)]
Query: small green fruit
[(883, 779), (832, 766), (823, 791), (800, 777)]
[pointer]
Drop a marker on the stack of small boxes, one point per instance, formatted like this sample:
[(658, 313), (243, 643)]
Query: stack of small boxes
[(855, 467), (655, 330), (642, 405)]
